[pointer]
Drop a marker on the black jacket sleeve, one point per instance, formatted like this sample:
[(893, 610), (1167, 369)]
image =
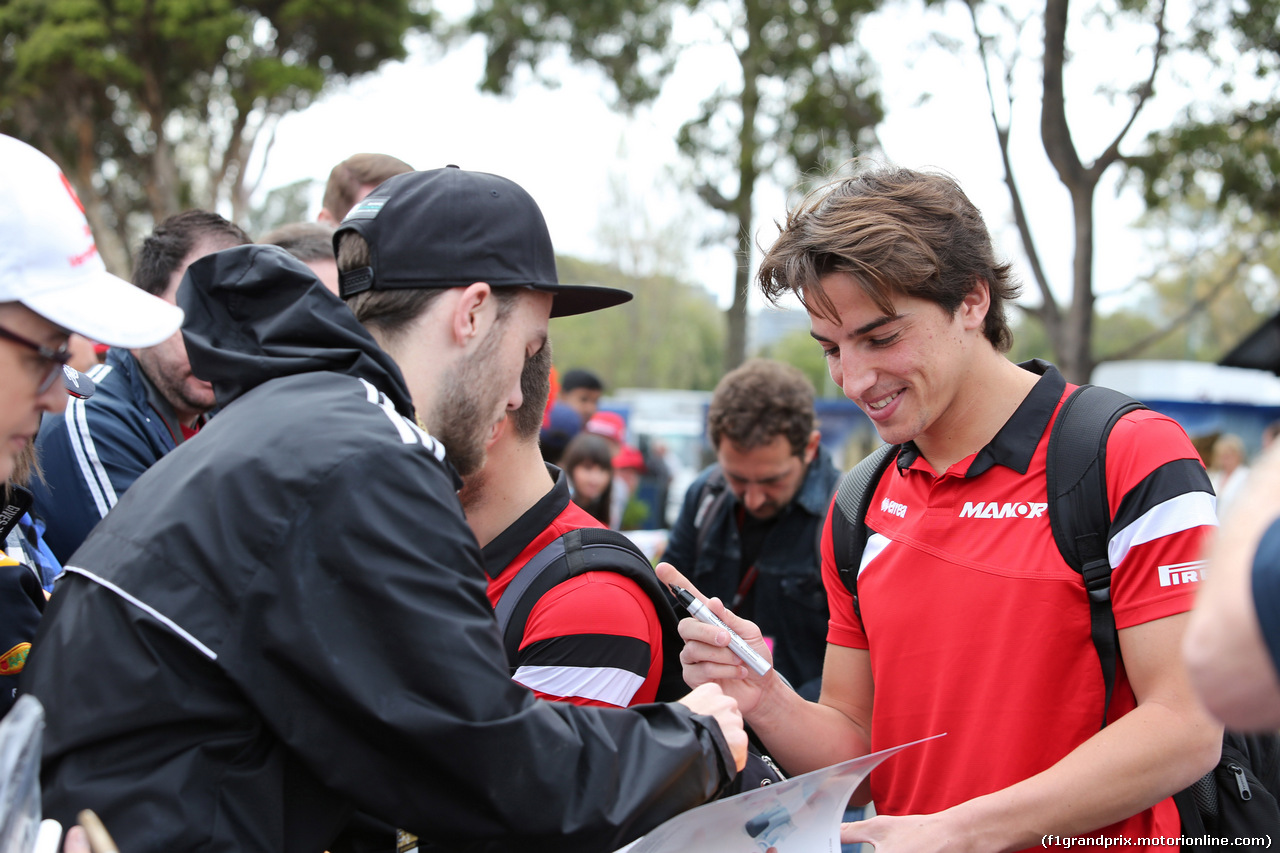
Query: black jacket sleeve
[(376, 657)]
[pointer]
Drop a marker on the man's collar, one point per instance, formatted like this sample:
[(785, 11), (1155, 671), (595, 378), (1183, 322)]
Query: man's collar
[(508, 544), (1015, 444)]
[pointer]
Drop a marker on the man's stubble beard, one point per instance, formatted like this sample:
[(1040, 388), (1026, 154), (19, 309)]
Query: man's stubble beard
[(467, 408), (173, 390), (473, 489)]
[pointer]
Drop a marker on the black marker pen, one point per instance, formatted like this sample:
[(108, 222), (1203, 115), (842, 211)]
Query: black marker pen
[(703, 614)]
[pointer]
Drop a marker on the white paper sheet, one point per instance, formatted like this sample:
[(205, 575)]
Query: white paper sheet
[(800, 815)]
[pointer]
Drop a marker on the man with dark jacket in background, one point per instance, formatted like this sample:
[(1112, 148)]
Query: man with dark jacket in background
[(147, 400), (748, 529), (285, 620)]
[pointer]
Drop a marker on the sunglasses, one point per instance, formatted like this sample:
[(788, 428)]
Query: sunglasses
[(57, 357)]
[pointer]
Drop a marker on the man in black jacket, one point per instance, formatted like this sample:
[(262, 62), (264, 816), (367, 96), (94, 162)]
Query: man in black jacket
[(285, 619), (748, 529)]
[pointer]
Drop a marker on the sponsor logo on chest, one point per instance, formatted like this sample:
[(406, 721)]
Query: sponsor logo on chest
[(1008, 509), (893, 508)]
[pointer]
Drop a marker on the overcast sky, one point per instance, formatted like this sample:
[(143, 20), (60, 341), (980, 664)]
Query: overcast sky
[(567, 148)]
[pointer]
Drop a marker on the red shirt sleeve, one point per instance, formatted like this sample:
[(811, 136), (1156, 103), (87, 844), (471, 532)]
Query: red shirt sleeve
[(593, 640)]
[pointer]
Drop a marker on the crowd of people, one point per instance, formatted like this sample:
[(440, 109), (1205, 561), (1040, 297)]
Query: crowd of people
[(317, 477)]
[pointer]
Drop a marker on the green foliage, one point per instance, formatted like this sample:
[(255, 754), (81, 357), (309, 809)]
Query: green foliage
[(1211, 188), (810, 91), (1233, 158), (1227, 152), (635, 513), (669, 336), (627, 40), (1118, 329), (153, 105), (1194, 309), (801, 351), (1029, 338), (806, 99)]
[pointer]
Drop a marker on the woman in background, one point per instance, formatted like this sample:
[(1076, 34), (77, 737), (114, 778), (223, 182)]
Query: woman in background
[(1229, 470), (588, 463)]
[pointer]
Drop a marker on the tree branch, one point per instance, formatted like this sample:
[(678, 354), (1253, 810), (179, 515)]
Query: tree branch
[(1051, 316), (231, 153), (1229, 277), (1054, 130), (715, 199), (1112, 152), (274, 121)]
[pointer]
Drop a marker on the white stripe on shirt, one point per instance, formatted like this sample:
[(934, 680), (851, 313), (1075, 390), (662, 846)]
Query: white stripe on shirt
[(1184, 512), (91, 467), (600, 684), (876, 543)]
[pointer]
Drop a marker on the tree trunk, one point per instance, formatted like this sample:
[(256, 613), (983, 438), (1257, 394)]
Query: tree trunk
[(736, 345), (1073, 343), (111, 245), (1077, 353), (162, 182)]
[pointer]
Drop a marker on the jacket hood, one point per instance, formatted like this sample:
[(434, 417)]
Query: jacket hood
[(256, 313)]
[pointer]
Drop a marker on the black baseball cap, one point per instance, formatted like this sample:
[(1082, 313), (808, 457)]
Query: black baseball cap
[(450, 228)]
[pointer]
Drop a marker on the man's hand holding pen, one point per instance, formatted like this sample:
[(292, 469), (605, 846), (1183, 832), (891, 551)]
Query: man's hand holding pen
[(708, 656)]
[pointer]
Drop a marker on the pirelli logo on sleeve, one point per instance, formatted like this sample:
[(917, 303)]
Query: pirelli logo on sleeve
[(1178, 574)]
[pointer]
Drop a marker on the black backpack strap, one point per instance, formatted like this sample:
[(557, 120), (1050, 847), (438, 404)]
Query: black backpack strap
[(590, 549), (848, 523), (1079, 514), (514, 606), (715, 492)]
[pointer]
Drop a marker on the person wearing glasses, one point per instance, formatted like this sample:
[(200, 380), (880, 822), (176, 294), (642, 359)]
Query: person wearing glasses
[(52, 284), (147, 402)]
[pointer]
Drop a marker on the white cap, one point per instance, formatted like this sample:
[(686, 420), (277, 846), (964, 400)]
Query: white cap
[(49, 262)]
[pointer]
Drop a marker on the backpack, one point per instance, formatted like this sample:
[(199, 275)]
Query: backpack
[(589, 549), (593, 549), (1237, 799), (711, 501)]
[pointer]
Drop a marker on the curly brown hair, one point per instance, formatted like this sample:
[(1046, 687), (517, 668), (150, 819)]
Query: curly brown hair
[(759, 401), (895, 231)]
